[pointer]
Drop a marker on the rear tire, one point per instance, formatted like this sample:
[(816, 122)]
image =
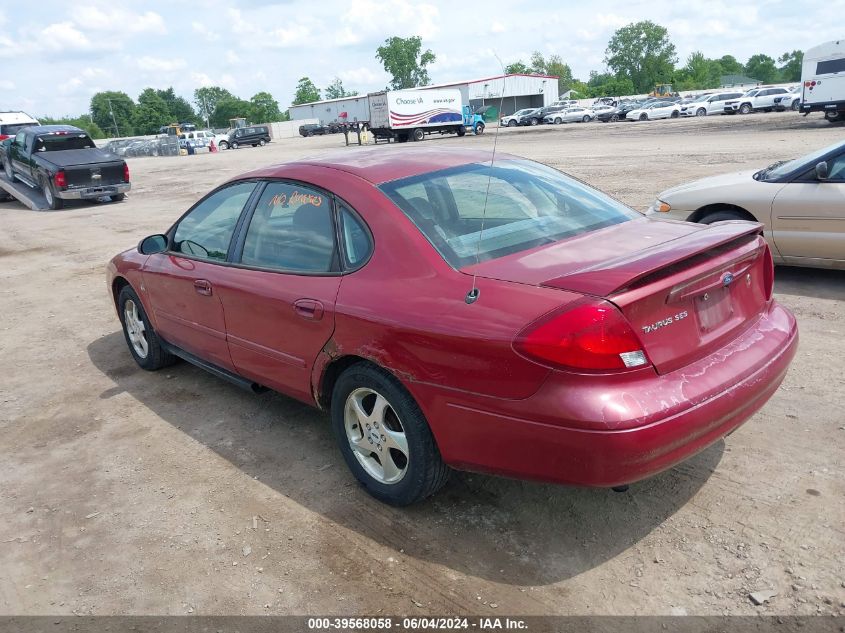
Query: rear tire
[(675, 114), (262, 142), (408, 475), (643, 117), (720, 216), (614, 118), (54, 202), (118, 197), (585, 118), (834, 117), (142, 340)]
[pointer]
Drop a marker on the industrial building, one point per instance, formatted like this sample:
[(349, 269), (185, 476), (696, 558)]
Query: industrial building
[(506, 94)]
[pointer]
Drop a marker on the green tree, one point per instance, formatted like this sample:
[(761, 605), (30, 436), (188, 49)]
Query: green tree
[(335, 90), (643, 53), (517, 68), (554, 66), (150, 113), (403, 59), (790, 68), (698, 73), (230, 108), (264, 108), (762, 68), (207, 98), (730, 66), (180, 110), (306, 92), (110, 109), (83, 122), (608, 85)]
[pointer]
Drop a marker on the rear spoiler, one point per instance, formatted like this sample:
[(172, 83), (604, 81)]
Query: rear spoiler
[(616, 274)]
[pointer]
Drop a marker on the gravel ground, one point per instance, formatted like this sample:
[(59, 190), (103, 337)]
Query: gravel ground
[(123, 491)]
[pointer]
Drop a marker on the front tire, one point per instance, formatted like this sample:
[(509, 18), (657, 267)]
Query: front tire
[(479, 129), (745, 108), (511, 123), (675, 114), (796, 105), (643, 117), (721, 216), (10, 174), (235, 145), (384, 437), (54, 202), (701, 112), (614, 118), (224, 145), (585, 118), (418, 134), (144, 344), (534, 122)]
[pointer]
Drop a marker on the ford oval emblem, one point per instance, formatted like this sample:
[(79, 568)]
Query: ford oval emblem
[(727, 278)]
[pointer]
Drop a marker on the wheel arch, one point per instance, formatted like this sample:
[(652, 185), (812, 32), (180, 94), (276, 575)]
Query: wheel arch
[(702, 212)]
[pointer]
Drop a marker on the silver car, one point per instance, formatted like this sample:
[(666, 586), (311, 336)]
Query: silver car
[(571, 115), (800, 203)]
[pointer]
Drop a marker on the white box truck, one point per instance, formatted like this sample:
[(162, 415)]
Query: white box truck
[(408, 115), (823, 80)]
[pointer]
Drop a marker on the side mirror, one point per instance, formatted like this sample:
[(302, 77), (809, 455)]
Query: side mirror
[(153, 244), (821, 170)]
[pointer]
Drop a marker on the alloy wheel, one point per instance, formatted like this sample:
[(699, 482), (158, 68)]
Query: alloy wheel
[(376, 435), (135, 329)]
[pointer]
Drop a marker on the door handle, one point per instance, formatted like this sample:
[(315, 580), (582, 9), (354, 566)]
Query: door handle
[(203, 287), (310, 309)]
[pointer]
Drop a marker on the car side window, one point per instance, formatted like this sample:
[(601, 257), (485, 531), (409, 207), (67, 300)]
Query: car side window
[(836, 169), (205, 233), (356, 241), (291, 230)]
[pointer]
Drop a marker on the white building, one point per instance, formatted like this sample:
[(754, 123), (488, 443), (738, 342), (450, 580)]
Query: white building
[(506, 94)]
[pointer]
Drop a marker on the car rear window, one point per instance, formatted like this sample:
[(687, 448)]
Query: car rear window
[(527, 205), (61, 142)]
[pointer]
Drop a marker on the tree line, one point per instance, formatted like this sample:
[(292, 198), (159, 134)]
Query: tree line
[(641, 55), (115, 113)]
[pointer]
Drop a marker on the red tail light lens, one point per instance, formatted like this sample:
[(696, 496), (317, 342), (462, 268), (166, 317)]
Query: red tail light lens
[(768, 273), (59, 180), (125, 172), (591, 336), (3, 137)]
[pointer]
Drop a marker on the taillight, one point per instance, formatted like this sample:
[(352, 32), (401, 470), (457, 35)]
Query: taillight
[(125, 172), (768, 273), (590, 336), (3, 137), (59, 180)]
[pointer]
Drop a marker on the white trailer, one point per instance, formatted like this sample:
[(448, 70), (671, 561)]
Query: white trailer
[(823, 80), (408, 115)]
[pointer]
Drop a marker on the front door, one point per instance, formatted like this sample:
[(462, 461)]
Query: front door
[(182, 282), (279, 297), (808, 216)]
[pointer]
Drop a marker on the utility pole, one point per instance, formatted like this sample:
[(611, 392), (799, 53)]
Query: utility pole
[(113, 120)]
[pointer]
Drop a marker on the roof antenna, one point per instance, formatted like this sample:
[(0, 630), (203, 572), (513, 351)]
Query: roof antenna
[(473, 294)]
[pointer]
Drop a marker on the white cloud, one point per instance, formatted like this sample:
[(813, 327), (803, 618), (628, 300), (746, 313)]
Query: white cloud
[(6, 84), (118, 20), (362, 76), (63, 36), (206, 32), (398, 17), (160, 65), (232, 57), (497, 27)]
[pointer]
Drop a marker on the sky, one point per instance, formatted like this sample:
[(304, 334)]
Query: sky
[(55, 55)]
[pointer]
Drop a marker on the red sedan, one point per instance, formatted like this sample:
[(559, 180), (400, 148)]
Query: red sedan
[(453, 312)]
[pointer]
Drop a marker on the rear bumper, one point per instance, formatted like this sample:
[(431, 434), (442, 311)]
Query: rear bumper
[(594, 431), (90, 193)]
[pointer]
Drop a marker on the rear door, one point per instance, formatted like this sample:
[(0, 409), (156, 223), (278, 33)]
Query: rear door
[(279, 297), (808, 215), (182, 282)]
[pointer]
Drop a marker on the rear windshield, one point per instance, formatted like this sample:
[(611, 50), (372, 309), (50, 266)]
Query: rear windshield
[(527, 205), (830, 66), (61, 142)]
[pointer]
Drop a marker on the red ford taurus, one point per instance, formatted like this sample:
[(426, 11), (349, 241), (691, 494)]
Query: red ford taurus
[(450, 312)]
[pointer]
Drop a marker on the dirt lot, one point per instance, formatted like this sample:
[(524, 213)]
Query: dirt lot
[(123, 491)]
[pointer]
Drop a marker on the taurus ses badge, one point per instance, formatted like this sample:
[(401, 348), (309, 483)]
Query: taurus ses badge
[(727, 278)]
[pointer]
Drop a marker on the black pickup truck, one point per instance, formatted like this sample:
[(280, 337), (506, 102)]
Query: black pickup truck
[(63, 163)]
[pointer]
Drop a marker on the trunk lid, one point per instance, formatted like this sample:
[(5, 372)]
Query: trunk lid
[(686, 289)]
